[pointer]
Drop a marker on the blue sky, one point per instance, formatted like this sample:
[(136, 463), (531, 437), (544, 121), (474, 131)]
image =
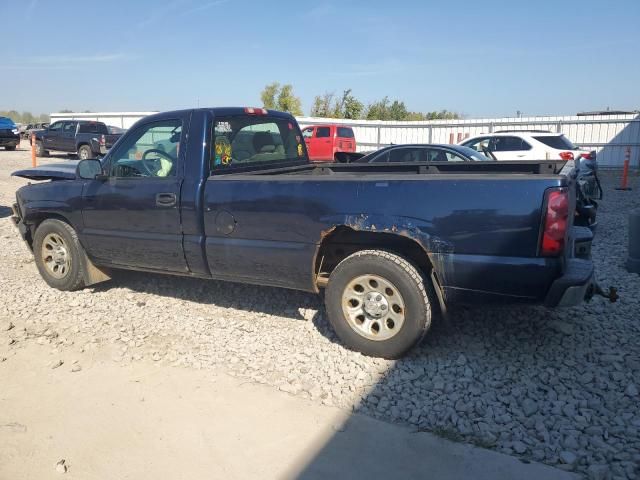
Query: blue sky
[(480, 58)]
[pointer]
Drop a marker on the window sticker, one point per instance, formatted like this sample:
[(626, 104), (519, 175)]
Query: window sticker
[(300, 150), (223, 127), (223, 151)]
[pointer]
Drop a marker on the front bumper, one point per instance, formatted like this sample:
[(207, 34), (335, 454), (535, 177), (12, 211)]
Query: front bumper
[(17, 221), (9, 141), (574, 287)]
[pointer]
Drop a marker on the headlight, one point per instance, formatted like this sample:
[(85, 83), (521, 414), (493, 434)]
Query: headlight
[(15, 131)]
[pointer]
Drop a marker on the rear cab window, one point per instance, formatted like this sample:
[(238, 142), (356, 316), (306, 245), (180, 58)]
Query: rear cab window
[(345, 132), (559, 142), (93, 127), (243, 141)]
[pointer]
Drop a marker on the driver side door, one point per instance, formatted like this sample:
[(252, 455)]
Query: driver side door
[(132, 218)]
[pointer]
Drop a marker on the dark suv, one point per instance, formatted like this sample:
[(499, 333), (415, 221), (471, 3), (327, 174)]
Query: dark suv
[(9, 134)]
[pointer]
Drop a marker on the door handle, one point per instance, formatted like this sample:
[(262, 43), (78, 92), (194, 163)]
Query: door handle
[(166, 199)]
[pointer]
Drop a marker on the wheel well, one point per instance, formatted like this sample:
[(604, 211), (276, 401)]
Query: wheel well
[(344, 241), (36, 220), (80, 145)]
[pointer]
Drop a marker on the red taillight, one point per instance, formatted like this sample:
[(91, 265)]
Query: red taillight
[(103, 141), (555, 223), (586, 156), (255, 111), (566, 155)]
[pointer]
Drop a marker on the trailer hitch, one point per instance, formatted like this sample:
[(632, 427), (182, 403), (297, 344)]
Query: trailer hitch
[(611, 293)]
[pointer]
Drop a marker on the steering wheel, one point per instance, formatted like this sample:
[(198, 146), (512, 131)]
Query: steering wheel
[(488, 153), (162, 153)]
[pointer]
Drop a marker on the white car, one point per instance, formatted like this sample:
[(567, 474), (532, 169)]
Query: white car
[(538, 145), (529, 145)]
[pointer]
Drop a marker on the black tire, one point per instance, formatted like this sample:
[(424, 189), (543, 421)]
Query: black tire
[(414, 294), (84, 152), (73, 279), (40, 151), (10, 148)]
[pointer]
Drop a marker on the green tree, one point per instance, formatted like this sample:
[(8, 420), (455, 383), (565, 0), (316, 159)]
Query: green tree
[(348, 106), (442, 115), (288, 102), (322, 105), (281, 98), (268, 95)]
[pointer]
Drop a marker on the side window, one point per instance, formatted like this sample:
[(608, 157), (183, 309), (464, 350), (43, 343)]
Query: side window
[(381, 157), (56, 127), (323, 132), (151, 151), (307, 132), (399, 155), (452, 157), (437, 156), (69, 127), (508, 144), (478, 144)]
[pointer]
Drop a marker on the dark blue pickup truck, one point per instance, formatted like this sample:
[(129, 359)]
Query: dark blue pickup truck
[(87, 138), (229, 194)]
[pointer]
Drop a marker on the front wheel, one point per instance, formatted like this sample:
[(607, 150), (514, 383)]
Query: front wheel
[(59, 255), (378, 304), (10, 148)]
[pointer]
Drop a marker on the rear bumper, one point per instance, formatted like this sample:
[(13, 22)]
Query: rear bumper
[(574, 286)]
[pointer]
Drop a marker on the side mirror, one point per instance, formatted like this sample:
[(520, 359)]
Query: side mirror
[(89, 169)]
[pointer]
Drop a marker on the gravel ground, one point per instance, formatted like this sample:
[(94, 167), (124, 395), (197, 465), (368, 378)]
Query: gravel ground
[(560, 387)]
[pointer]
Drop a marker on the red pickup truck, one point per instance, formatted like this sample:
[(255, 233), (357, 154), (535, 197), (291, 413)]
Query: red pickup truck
[(329, 143)]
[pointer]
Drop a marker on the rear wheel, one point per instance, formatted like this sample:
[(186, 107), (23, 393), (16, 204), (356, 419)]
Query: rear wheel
[(378, 304), (59, 255), (10, 147), (84, 152)]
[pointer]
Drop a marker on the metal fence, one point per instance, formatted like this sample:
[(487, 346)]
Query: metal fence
[(609, 135)]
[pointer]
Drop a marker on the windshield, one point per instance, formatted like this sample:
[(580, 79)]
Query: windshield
[(559, 142), (244, 140), (6, 122)]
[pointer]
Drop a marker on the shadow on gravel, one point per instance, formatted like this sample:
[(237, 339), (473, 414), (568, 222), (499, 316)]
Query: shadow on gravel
[(250, 298), (4, 211)]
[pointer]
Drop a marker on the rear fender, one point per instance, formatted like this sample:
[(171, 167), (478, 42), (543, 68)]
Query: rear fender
[(437, 250)]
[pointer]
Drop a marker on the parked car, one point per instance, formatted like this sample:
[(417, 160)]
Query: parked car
[(115, 130), (391, 244), (529, 145), (86, 138), (538, 145), (33, 127), (423, 153), (9, 134), (329, 143)]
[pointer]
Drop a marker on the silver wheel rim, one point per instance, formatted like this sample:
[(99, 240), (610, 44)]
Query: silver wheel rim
[(373, 307), (83, 154), (55, 256)]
